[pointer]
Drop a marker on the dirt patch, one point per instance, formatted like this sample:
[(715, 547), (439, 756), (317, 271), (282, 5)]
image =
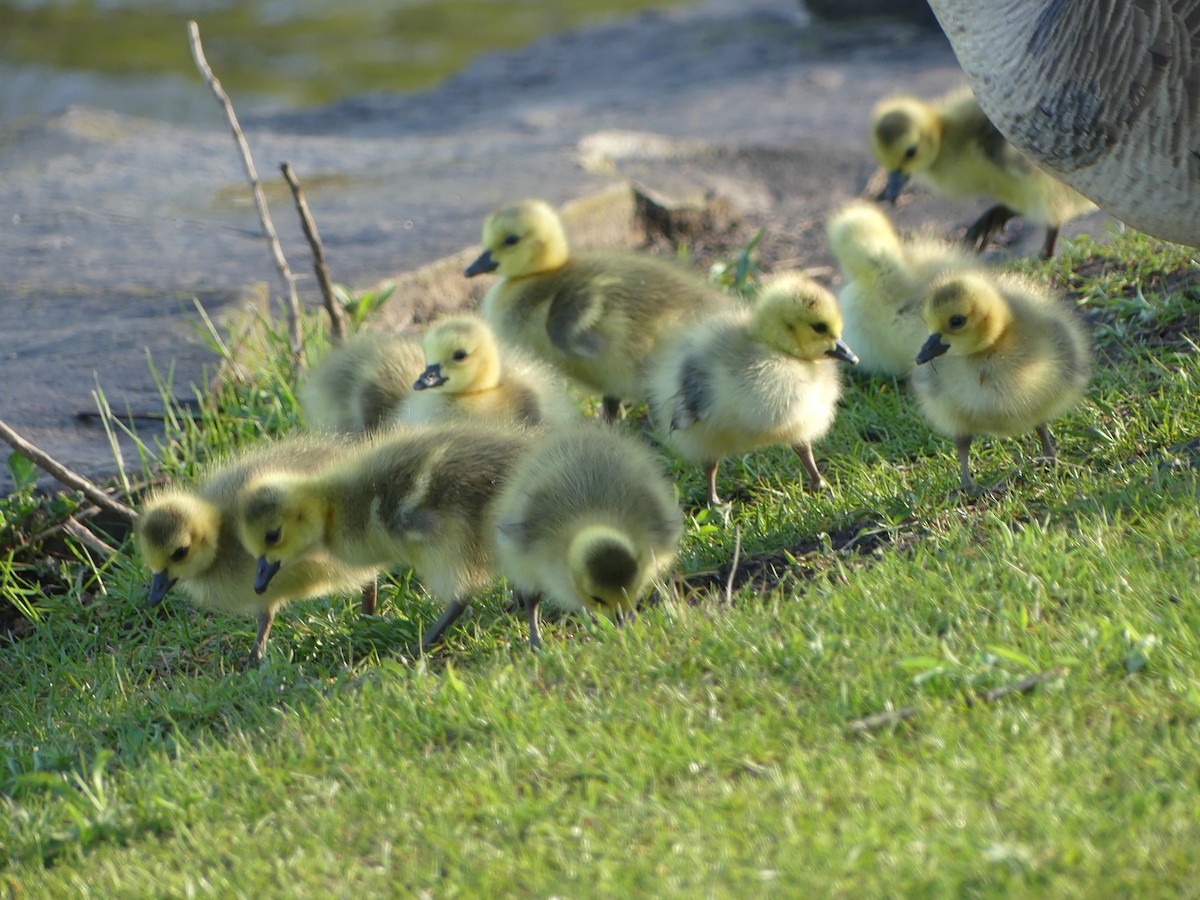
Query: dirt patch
[(861, 543)]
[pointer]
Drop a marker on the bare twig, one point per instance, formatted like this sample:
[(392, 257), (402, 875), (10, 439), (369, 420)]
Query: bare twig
[(106, 419), (260, 199), (337, 318), (79, 515), (85, 537), (882, 719), (49, 464), (1024, 686), (737, 553), (894, 716)]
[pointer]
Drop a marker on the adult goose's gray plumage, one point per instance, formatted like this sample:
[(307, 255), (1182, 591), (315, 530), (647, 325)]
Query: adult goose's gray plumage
[(1105, 94)]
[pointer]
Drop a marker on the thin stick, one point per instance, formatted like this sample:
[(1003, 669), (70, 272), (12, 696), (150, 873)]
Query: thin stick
[(882, 719), (337, 318), (85, 537), (48, 463), (894, 716), (107, 419), (737, 552), (1024, 686), (85, 513), (260, 199)]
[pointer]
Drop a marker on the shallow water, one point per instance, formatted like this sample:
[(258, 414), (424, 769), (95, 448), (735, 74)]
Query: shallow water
[(133, 56)]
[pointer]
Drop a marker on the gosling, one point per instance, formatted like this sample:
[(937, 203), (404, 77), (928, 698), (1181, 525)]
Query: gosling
[(188, 536), (467, 377), (361, 384), (587, 521), (751, 379), (594, 316), (886, 281), (1008, 358), (419, 496), (952, 147)]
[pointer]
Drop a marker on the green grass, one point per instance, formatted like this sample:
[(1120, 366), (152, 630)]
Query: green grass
[(709, 747)]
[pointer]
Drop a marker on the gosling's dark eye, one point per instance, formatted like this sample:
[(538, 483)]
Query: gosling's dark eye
[(599, 601), (179, 555), (910, 152), (272, 537), (957, 321), (459, 355), (820, 328), (511, 239)]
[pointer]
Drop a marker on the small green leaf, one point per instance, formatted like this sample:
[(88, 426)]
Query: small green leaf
[(1012, 656), (919, 663), (23, 471), (454, 682)]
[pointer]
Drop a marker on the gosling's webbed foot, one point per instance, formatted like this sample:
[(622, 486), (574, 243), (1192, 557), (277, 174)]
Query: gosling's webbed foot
[(259, 651), (815, 481), (429, 640), (987, 226), (370, 598), (612, 409), (532, 604)]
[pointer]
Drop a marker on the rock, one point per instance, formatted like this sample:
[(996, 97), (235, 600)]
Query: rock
[(916, 12)]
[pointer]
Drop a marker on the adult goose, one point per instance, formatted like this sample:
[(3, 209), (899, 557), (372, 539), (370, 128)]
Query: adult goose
[(1104, 94)]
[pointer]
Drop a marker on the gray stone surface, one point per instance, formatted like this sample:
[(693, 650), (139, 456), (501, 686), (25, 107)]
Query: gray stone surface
[(110, 226)]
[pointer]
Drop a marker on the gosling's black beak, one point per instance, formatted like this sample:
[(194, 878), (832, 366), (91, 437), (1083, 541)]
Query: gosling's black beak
[(485, 263), (895, 184), (266, 571), (159, 585), (841, 350), (932, 349), (432, 377)]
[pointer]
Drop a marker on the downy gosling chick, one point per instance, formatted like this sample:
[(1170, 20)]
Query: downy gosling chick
[(753, 378), (587, 521), (189, 536), (886, 281), (952, 147), (1002, 357), (362, 383), (415, 495), (467, 376), (595, 316)]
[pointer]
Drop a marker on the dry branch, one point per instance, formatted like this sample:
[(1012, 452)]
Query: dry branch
[(895, 716), (337, 318), (1024, 686), (260, 199), (737, 553), (85, 537), (49, 464), (882, 719)]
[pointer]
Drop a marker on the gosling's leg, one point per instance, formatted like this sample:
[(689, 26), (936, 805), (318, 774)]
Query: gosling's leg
[(992, 222), (454, 609), (967, 480), (1051, 241), (370, 597), (1043, 431), (612, 409), (804, 451), (265, 620), (515, 603), (532, 604), (710, 473)]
